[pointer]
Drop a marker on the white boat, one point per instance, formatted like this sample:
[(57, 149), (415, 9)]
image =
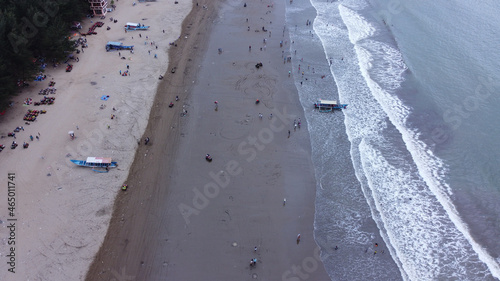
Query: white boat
[(328, 105)]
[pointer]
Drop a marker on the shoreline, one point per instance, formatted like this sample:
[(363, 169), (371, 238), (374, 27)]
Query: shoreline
[(248, 211)]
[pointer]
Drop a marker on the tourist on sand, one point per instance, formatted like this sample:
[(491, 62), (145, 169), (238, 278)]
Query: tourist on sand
[(298, 239)]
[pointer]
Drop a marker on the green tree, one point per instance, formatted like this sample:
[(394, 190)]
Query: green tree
[(30, 31)]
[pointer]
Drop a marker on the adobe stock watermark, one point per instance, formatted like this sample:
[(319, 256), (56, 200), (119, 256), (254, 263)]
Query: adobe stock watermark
[(303, 271), (28, 28), (249, 149), (121, 276), (88, 141), (455, 116)]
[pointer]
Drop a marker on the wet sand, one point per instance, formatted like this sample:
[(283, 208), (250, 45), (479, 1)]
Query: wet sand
[(184, 218)]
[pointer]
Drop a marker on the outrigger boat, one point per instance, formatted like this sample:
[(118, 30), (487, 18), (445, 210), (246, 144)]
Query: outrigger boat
[(117, 46), (136, 26), (96, 162), (328, 105)]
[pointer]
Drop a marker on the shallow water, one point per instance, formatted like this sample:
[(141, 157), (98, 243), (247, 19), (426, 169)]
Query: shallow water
[(413, 159)]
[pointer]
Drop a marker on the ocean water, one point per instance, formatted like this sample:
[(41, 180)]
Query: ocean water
[(413, 163)]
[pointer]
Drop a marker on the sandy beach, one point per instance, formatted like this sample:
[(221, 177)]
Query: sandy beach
[(184, 218), (63, 211)]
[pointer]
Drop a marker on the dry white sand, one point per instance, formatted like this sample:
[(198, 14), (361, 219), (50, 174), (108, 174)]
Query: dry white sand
[(62, 210)]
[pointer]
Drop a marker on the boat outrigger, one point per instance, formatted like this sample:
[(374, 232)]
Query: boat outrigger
[(328, 105), (117, 46), (96, 162), (136, 26)]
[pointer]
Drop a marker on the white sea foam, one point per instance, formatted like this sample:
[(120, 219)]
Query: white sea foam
[(429, 238), (425, 240)]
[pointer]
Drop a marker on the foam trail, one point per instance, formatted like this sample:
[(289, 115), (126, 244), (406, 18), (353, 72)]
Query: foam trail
[(416, 226)]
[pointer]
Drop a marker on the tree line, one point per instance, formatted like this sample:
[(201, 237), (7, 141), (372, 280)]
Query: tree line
[(33, 32)]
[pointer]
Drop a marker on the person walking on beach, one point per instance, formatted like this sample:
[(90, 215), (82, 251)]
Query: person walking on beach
[(260, 116), (298, 239)]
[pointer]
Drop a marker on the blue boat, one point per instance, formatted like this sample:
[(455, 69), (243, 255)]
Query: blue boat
[(136, 26), (96, 162), (117, 46), (328, 105)]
